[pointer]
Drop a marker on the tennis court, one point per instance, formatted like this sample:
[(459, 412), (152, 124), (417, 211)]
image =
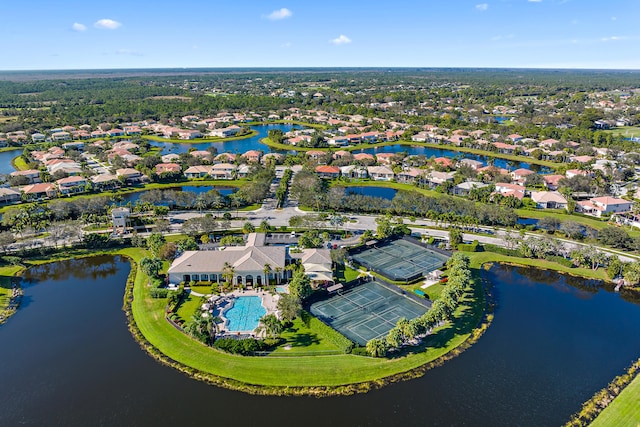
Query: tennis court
[(400, 260), (367, 311)]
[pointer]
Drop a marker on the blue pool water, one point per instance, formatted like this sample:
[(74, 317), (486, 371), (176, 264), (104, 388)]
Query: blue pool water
[(281, 289), (245, 314)]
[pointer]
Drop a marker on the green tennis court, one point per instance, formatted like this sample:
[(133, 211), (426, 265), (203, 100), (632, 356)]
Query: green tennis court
[(367, 311), (400, 260)]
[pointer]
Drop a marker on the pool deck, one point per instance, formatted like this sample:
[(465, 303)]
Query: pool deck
[(269, 302)]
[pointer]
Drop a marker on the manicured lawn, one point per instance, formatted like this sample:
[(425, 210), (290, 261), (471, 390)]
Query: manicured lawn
[(19, 163), (626, 131), (350, 274), (624, 410), (301, 340), (479, 258), (293, 371), (189, 307)]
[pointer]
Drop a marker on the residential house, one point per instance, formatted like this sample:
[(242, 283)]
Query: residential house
[(223, 171), (197, 172), (464, 188), (252, 156), (436, 178), (72, 184), (549, 200), (33, 175), (507, 189), (444, 162), (473, 164), (364, 157), (105, 181), (599, 206), (9, 196), (39, 191), (225, 157), (385, 158), (380, 173), (115, 132), (168, 168), (520, 175), (354, 171), (130, 175), (504, 148), (552, 182), (410, 175), (61, 136), (329, 172)]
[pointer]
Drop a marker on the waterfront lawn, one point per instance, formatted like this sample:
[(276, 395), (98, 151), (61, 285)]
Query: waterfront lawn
[(188, 307), (623, 411), (480, 258), (302, 371), (301, 340), (20, 163)]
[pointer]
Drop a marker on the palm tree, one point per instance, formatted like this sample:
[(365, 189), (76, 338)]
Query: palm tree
[(270, 325), (267, 271), (278, 271), (228, 272), (377, 347)]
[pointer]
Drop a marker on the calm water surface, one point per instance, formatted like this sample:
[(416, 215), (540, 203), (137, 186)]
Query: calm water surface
[(197, 189), (69, 360), (5, 160), (384, 192)]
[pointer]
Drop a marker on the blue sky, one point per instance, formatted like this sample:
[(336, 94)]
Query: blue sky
[(71, 34)]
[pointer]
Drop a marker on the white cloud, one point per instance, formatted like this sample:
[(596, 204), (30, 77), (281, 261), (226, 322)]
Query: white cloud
[(482, 7), (78, 27), (613, 38), (341, 39), (107, 24), (279, 14)]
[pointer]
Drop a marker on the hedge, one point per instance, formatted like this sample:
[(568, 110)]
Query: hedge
[(470, 247), (158, 292), (336, 338), (500, 250)]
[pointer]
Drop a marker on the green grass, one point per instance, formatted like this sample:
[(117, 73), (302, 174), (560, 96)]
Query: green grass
[(479, 258), (188, 307), (624, 410), (330, 370), (19, 163), (301, 340), (626, 131)]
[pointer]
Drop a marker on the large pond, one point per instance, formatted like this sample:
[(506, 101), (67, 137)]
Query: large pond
[(383, 192), (197, 189), (234, 146), (442, 152), (68, 359), (5, 161)]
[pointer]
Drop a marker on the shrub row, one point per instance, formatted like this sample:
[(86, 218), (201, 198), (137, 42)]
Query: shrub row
[(336, 338), (500, 250), (158, 292), (246, 346), (470, 247)]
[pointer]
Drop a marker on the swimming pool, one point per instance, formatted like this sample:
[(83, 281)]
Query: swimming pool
[(245, 314), (281, 289)]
